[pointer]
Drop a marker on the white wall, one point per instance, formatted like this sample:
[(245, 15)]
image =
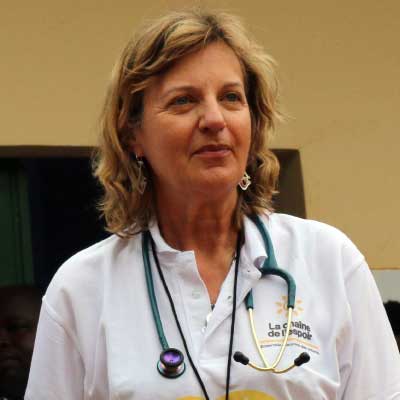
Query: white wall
[(388, 283)]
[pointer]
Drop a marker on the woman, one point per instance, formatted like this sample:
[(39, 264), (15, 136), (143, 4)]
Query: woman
[(186, 169)]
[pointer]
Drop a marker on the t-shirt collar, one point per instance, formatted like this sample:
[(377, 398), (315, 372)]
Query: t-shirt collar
[(253, 247), (161, 245)]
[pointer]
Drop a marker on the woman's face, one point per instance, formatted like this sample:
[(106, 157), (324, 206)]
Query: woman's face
[(196, 128)]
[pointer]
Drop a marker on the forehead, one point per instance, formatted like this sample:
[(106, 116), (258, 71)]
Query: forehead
[(19, 305), (216, 63)]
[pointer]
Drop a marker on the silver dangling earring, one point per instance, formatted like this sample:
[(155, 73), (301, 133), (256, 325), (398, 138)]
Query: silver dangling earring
[(245, 182), (142, 180)]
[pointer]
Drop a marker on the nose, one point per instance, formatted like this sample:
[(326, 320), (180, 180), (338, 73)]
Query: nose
[(4, 337), (212, 119)]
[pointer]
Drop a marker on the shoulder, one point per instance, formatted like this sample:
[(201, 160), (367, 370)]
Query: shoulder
[(296, 226), (86, 273), (313, 238), (305, 229), (98, 257)]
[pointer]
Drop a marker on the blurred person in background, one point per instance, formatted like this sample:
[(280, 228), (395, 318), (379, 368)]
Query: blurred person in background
[(393, 312), (19, 314)]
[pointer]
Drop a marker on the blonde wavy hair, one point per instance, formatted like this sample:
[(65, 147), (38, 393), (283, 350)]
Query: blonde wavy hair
[(154, 49)]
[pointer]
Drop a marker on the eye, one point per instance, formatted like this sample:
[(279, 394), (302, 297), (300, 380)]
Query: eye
[(232, 97), (18, 327), (181, 101)]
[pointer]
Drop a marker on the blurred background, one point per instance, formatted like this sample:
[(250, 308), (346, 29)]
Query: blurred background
[(338, 63)]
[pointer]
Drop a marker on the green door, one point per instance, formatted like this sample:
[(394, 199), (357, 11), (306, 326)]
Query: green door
[(16, 265)]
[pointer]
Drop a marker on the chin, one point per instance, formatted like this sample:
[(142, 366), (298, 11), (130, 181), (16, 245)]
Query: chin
[(217, 187)]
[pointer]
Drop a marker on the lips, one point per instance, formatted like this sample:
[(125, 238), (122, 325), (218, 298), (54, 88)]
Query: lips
[(7, 357), (212, 148), (9, 363)]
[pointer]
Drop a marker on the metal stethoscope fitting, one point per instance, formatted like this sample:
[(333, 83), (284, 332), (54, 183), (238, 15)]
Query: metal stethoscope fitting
[(171, 363)]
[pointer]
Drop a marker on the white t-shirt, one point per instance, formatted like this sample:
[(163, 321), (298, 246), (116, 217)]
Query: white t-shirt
[(97, 339)]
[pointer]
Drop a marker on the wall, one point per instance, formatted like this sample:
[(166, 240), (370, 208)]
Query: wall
[(339, 65), (388, 284)]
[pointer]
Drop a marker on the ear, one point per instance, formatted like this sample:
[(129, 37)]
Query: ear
[(134, 144)]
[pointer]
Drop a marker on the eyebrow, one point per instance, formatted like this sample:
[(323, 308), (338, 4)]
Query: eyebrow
[(191, 87)]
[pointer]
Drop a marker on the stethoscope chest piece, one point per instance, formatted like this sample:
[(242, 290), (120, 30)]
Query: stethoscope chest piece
[(171, 363)]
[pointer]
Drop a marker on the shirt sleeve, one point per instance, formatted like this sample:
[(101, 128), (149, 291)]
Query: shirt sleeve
[(56, 357), (372, 370)]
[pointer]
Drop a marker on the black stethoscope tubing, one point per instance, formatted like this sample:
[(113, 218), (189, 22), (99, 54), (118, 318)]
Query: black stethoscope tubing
[(146, 238)]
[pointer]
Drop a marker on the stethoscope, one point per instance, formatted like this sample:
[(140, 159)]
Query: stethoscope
[(171, 363)]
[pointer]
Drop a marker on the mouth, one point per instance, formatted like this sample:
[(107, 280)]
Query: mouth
[(9, 362), (8, 357), (213, 150)]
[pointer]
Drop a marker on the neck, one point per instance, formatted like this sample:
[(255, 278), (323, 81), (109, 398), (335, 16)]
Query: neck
[(13, 389), (10, 397), (190, 223)]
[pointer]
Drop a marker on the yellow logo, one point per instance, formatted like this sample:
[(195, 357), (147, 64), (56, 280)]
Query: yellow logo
[(282, 307), (238, 395), (248, 395)]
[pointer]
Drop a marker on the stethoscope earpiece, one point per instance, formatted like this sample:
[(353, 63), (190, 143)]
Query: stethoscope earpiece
[(302, 359), (171, 363), (241, 358)]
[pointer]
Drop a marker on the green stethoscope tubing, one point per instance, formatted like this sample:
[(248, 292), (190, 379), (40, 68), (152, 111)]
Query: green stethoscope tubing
[(270, 267), (146, 238)]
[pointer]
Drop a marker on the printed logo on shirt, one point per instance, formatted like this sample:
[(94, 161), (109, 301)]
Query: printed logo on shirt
[(300, 332), (238, 395), (282, 307)]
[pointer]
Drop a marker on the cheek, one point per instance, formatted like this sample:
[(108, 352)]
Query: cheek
[(25, 342), (243, 132), (165, 130), (163, 148), (169, 142)]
